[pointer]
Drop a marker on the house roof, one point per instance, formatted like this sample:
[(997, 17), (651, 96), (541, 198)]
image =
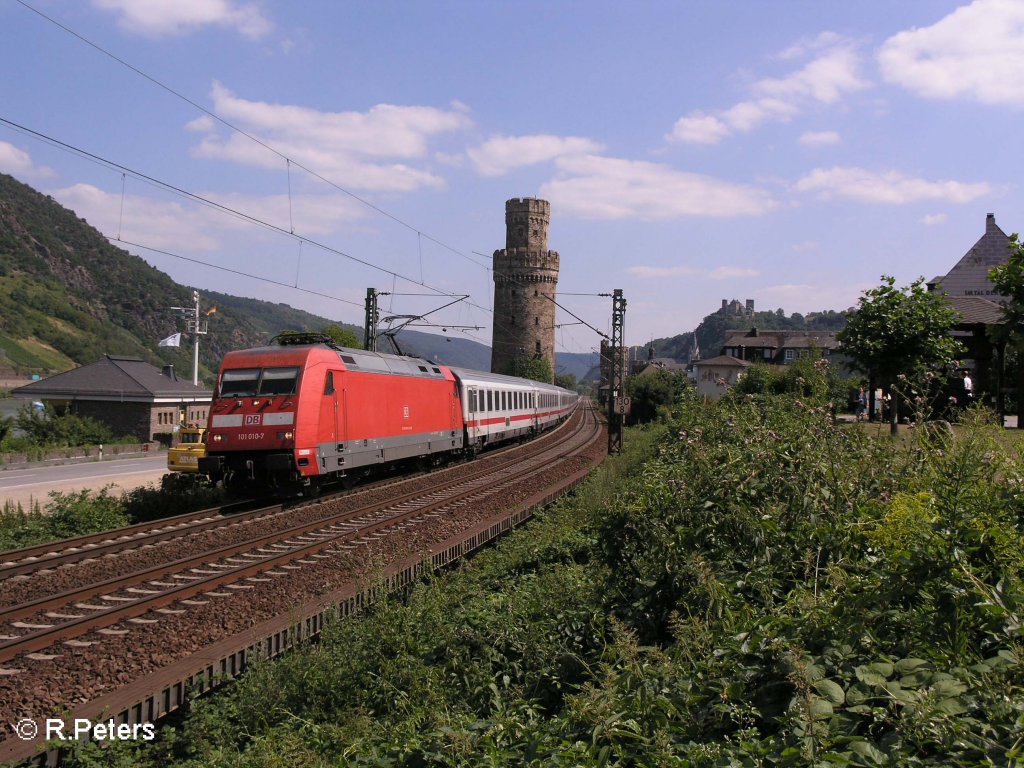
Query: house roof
[(969, 276), (127, 379), (661, 364), (976, 310), (781, 339), (727, 361)]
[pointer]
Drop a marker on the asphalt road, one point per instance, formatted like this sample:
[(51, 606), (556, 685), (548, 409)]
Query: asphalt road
[(33, 484)]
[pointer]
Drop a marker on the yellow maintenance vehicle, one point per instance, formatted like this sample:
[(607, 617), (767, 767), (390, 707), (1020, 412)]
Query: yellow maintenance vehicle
[(184, 455)]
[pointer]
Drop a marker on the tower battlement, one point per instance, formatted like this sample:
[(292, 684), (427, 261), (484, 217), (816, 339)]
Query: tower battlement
[(524, 259)]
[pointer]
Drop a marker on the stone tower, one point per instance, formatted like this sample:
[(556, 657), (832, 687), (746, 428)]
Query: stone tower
[(525, 278)]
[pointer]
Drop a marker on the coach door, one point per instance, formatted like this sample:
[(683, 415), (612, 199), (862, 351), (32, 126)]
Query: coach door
[(473, 408)]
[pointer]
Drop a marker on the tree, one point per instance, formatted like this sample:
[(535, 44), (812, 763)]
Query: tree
[(900, 332), (653, 393), (342, 336), (51, 428), (566, 380), (534, 368)]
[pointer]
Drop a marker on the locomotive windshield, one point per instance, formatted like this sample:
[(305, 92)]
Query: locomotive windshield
[(251, 382)]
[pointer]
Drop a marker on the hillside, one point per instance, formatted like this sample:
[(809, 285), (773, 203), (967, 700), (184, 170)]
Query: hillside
[(59, 308)]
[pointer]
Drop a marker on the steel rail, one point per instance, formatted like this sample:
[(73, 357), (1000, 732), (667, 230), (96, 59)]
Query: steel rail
[(44, 637)]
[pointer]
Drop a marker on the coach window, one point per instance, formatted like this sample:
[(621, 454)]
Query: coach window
[(489, 404)]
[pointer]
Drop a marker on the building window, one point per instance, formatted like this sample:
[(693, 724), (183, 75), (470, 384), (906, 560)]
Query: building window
[(789, 355)]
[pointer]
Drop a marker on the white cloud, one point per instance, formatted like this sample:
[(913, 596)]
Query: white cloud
[(718, 273), (819, 138), (659, 272), (699, 128), (807, 45), (168, 224), (177, 17), (595, 187), (727, 273), (805, 247), (786, 290), (826, 79), (17, 162), (932, 219), (202, 124), (349, 148), (887, 187), (805, 298), (501, 154), (974, 52), (155, 224)]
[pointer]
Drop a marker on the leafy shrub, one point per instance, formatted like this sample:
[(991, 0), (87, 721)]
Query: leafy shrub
[(65, 515), (48, 428), (761, 587), (179, 492)]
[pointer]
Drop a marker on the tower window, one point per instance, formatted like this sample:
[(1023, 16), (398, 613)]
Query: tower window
[(538, 347), (536, 321)]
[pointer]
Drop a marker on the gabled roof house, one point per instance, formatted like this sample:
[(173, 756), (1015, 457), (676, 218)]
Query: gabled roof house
[(979, 306), (128, 394)]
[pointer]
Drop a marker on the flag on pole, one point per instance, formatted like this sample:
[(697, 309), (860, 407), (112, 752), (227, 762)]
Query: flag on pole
[(174, 340), (212, 310)]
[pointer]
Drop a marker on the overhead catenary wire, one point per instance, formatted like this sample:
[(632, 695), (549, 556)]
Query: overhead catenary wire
[(239, 272), (215, 205), (228, 124), (289, 162)]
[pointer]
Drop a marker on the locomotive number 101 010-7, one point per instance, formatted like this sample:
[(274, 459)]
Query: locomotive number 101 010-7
[(251, 435)]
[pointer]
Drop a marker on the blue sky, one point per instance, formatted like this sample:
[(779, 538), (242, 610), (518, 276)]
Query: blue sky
[(785, 152)]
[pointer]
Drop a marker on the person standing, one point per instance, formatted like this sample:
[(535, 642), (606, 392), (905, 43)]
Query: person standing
[(861, 404), (968, 389)]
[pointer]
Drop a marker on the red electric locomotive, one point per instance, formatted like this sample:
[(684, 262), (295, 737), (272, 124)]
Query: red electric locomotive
[(302, 411)]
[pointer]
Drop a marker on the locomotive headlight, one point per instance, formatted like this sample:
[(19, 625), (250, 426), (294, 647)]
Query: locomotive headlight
[(217, 437), (285, 435)]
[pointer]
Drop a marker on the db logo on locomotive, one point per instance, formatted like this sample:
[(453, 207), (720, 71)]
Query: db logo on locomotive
[(253, 419)]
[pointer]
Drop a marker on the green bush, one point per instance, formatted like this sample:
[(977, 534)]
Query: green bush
[(751, 585), (49, 428)]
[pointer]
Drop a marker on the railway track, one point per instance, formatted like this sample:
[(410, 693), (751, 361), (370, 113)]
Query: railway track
[(57, 554), (164, 598), (67, 615)]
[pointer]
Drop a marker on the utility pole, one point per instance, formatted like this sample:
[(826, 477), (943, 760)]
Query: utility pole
[(618, 403), (372, 320), (197, 327)]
